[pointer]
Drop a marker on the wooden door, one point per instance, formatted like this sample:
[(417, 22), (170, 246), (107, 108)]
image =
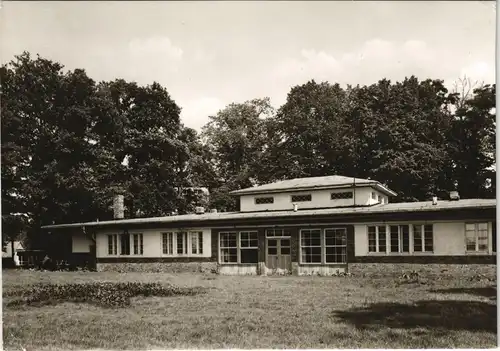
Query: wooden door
[(278, 255)]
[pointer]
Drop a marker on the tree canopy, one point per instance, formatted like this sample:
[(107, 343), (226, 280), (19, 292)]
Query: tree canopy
[(70, 143)]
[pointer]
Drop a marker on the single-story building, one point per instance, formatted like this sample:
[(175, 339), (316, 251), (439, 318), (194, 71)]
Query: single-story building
[(316, 225)]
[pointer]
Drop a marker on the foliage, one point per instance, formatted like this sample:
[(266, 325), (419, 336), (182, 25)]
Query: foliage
[(104, 294)]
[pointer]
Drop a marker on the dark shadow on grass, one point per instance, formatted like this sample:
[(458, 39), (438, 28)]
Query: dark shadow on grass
[(489, 291), (449, 314)]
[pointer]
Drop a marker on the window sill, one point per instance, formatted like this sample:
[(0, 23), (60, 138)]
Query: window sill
[(478, 253)]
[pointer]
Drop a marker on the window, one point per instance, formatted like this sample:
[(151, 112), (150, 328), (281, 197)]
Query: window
[(112, 244), (423, 240), (310, 244), (271, 233), (168, 243), (374, 195), (249, 250), (138, 244), (124, 244), (181, 243), (196, 243), (400, 238), (381, 200), (228, 247), (342, 195), (264, 200), (301, 198), (476, 237), (335, 246), (377, 239)]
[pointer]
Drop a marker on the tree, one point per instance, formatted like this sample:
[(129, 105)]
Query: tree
[(236, 139), (472, 143)]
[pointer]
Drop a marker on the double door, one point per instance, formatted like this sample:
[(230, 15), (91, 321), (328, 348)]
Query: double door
[(278, 254)]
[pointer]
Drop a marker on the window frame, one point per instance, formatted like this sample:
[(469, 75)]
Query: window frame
[(220, 248), (333, 194), (301, 195), (344, 246), (238, 247), (198, 234), (476, 238), (249, 239), (140, 244), (121, 246), (256, 202), (377, 239), (423, 238), (169, 243), (114, 244), (322, 246)]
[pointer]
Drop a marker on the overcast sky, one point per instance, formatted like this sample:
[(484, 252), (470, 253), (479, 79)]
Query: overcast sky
[(209, 54)]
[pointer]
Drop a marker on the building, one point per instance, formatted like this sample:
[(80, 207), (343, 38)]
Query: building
[(10, 252), (318, 225)]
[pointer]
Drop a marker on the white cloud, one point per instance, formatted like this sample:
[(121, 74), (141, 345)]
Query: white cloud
[(195, 112), (377, 59), (161, 46)]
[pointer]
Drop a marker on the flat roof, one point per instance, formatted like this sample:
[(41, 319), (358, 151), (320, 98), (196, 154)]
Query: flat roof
[(308, 183), (442, 205)]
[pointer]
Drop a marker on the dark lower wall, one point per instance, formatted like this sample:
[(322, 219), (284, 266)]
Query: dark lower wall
[(466, 271), (158, 267), (417, 259)]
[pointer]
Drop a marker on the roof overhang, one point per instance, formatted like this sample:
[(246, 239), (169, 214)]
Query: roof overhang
[(256, 191)]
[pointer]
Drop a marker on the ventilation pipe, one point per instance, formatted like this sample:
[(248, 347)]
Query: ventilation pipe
[(454, 196), (295, 207), (434, 200)]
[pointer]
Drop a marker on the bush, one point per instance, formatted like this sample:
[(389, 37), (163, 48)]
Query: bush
[(104, 294)]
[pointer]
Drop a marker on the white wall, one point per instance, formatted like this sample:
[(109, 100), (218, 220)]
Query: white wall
[(80, 243), (449, 238), (320, 199), (152, 243)]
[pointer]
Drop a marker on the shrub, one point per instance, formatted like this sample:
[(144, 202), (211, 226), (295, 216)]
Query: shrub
[(104, 294)]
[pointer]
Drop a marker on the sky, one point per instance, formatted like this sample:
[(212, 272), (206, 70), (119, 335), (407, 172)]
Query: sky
[(210, 54)]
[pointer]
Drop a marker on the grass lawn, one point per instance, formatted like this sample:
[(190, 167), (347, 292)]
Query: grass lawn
[(441, 310)]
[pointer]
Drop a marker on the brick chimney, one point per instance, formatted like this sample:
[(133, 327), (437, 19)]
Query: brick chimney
[(118, 207)]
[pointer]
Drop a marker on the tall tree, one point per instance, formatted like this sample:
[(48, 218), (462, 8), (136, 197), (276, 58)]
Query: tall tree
[(236, 140)]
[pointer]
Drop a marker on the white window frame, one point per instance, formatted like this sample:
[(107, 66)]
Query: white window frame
[(422, 237), (344, 246), (321, 239), (196, 243), (400, 239), (137, 247), (120, 246), (184, 241), (476, 237), (307, 194), (241, 247), (221, 248), (377, 239), (167, 243), (114, 244), (285, 233)]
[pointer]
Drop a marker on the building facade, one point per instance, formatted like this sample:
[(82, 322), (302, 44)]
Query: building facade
[(319, 226)]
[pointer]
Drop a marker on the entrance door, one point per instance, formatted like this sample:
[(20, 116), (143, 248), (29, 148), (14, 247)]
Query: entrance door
[(278, 258)]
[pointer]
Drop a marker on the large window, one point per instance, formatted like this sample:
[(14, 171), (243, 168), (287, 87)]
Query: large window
[(239, 247), (323, 246), (335, 246), (377, 239), (125, 244), (196, 243), (229, 247), (112, 244), (138, 244), (310, 245), (168, 243), (249, 250), (476, 237), (182, 243), (423, 238), (400, 238)]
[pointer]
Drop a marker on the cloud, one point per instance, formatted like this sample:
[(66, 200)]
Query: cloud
[(376, 59), (195, 112), (161, 46)]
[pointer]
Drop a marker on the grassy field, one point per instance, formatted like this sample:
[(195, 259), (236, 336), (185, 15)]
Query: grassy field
[(440, 310)]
